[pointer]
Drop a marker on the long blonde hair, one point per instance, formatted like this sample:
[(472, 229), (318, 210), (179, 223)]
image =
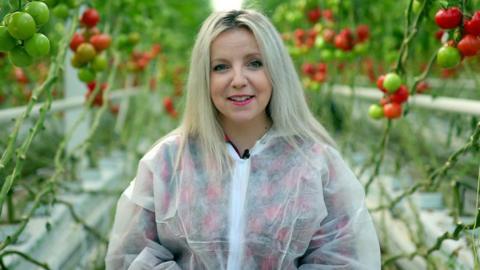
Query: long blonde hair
[(288, 108)]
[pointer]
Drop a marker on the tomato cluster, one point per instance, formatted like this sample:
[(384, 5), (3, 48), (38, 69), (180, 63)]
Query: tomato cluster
[(19, 34), (170, 107), (467, 33), (395, 94), (88, 46)]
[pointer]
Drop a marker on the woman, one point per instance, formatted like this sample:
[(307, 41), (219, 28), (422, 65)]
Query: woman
[(249, 180)]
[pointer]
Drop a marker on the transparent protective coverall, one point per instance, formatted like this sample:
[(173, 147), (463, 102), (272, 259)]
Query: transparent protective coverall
[(274, 211)]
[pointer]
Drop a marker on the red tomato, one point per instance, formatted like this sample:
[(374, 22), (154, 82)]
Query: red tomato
[(392, 110), (363, 32), (90, 17), (101, 41), (322, 67), (469, 45), (342, 42), (448, 18), (20, 75), (422, 87), (77, 39), (314, 15), (328, 14), (308, 68), (472, 26), (384, 100), (380, 83), (401, 95), (439, 34)]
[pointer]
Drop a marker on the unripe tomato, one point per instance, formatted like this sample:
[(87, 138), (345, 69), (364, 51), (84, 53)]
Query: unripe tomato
[(39, 12), (76, 62), (7, 42), (448, 57), (86, 75), (19, 57), (469, 45), (392, 82), (85, 52), (21, 25), (6, 19), (38, 45), (90, 17), (77, 39), (375, 111), (100, 63), (101, 41), (61, 11), (392, 110), (448, 18), (401, 95)]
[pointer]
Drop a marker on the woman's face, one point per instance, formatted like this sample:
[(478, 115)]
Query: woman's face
[(239, 86)]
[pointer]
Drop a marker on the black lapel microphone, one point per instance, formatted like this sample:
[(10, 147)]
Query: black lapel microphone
[(246, 154)]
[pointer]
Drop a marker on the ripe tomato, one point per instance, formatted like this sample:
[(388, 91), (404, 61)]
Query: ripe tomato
[(85, 52), (21, 25), (401, 95), (422, 87), (101, 41), (38, 45), (39, 12), (469, 45), (77, 39), (363, 32), (375, 111), (308, 68), (7, 42), (90, 17), (342, 42), (448, 18), (472, 27), (392, 82), (19, 57), (392, 110), (380, 80), (448, 57), (328, 35), (314, 15)]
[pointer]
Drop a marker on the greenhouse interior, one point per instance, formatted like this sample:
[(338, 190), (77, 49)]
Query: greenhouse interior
[(95, 95)]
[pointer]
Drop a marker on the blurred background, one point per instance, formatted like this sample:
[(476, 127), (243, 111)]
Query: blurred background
[(87, 86)]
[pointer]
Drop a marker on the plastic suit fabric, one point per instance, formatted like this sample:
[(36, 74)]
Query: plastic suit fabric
[(274, 211)]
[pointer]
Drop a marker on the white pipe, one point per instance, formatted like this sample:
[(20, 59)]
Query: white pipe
[(446, 104), (11, 114)]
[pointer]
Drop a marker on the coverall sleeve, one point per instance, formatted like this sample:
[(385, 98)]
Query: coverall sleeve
[(346, 237), (134, 241)]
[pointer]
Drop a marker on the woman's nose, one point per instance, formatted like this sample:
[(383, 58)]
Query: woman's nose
[(239, 80)]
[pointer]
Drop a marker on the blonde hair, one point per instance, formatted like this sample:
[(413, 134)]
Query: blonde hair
[(288, 108)]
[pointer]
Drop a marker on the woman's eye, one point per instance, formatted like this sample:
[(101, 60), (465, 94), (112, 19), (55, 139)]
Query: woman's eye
[(256, 64), (219, 67)]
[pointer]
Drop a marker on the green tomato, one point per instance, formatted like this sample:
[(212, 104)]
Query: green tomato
[(39, 12), (61, 11), (7, 42), (375, 111), (100, 63), (319, 42), (21, 25), (448, 57), (326, 55), (19, 57), (38, 45), (6, 19), (86, 75), (392, 82), (416, 6)]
